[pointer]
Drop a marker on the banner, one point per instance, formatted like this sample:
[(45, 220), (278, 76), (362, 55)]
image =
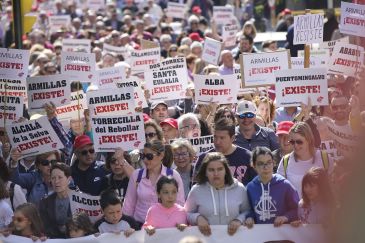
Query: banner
[(169, 64), (56, 22), (201, 144), (14, 64), (167, 84), (308, 29), (223, 15), (322, 54), (126, 132), (45, 89), (352, 19), (331, 44), (346, 141), (330, 147), (294, 86), (76, 45), (141, 59), (257, 68), (139, 98), (108, 102), (83, 202), (176, 10), (13, 87), (298, 62), (219, 89), (11, 109), (33, 137), (77, 106), (146, 44), (229, 35), (346, 59), (79, 66), (211, 51), (119, 50), (108, 77)]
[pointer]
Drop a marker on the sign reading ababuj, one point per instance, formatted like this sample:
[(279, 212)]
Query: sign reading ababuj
[(108, 77), (352, 19), (76, 45), (14, 64), (167, 84), (126, 132), (331, 44), (308, 29), (176, 10), (346, 59), (11, 109), (218, 89), (139, 98), (56, 22), (83, 202), (294, 86), (222, 14), (33, 137), (111, 102), (79, 66), (43, 89), (211, 51), (169, 64), (141, 59), (257, 68), (76, 107), (298, 62), (119, 50), (229, 35)]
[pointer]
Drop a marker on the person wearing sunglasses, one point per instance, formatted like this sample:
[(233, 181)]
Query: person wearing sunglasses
[(152, 131), (249, 135), (141, 192), (285, 146)]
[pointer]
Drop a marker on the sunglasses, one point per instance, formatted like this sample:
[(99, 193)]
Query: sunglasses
[(19, 219), (48, 162), (263, 165), (148, 156), (151, 135), (246, 115), (299, 142), (85, 152)]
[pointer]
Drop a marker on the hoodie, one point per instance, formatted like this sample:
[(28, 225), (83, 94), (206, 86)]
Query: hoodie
[(219, 207), (276, 198)]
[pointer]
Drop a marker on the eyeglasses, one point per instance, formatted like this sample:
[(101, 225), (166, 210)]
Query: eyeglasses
[(246, 115), (181, 155), (148, 156), (19, 219), (48, 162), (85, 152), (191, 126), (339, 107), (151, 134), (263, 165), (299, 142)]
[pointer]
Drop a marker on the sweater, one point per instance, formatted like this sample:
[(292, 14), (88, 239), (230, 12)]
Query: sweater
[(160, 217)]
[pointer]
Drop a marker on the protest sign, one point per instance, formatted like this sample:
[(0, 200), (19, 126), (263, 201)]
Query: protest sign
[(108, 77), (257, 68), (56, 22), (169, 64), (308, 29), (167, 84), (211, 51), (346, 141), (201, 144), (43, 89), (322, 54), (229, 35), (146, 44), (219, 89), (176, 10), (139, 98), (11, 87), (141, 59), (111, 101), (11, 109), (76, 45), (346, 59), (82, 202), (294, 86), (14, 64), (298, 62), (330, 147), (223, 14), (33, 137), (352, 19), (119, 50), (331, 44), (96, 4), (79, 66), (126, 132), (76, 107)]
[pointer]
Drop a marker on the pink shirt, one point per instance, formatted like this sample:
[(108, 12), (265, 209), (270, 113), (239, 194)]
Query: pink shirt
[(139, 199), (160, 217)]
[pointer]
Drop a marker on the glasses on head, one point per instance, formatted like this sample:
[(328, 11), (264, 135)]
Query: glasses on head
[(48, 162), (85, 152), (246, 115), (263, 165), (19, 219), (151, 135), (148, 156), (339, 107), (299, 142), (181, 155), (191, 126)]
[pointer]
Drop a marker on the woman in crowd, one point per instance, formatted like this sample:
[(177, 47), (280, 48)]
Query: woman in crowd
[(217, 198), (266, 110), (224, 112), (6, 213), (152, 131)]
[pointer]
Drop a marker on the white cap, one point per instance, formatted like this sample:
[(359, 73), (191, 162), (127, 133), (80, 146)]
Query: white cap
[(245, 106)]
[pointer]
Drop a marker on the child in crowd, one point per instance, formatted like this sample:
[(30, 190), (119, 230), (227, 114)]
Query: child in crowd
[(167, 213), (79, 225), (6, 213), (112, 222)]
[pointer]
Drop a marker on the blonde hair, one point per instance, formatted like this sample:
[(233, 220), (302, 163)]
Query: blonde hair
[(304, 130), (183, 143)]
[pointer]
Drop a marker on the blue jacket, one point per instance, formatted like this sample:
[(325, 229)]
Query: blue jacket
[(263, 137), (276, 198)]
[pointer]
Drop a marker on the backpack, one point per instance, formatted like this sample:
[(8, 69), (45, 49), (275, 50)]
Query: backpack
[(169, 172), (324, 157), (11, 194)]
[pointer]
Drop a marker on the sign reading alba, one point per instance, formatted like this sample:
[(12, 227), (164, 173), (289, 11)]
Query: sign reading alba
[(308, 29)]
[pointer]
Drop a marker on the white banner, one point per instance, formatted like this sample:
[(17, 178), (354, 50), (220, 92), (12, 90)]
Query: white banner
[(14, 64), (120, 50), (126, 132), (83, 202), (346, 59), (176, 10), (139, 98), (308, 29), (223, 15), (211, 51), (79, 66), (76, 45), (77, 106), (201, 144), (352, 19), (141, 59), (298, 62), (229, 35), (56, 22), (108, 77), (33, 137), (11, 109), (322, 54), (13, 87), (331, 44), (170, 63), (347, 142)]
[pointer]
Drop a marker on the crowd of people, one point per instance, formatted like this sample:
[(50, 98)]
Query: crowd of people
[(268, 164)]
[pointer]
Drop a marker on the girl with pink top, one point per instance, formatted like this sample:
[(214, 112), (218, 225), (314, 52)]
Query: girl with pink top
[(167, 213)]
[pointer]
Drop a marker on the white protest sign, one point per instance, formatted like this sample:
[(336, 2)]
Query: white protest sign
[(43, 89), (79, 66), (119, 50), (126, 132), (14, 64), (222, 14), (294, 86), (108, 77), (170, 63), (331, 44), (219, 89), (322, 54), (57, 22), (11, 109), (308, 29), (76, 45), (82, 202), (352, 19), (167, 84), (76, 107), (13, 87), (330, 147), (346, 59), (133, 81), (257, 68), (33, 137), (298, 62), (176, 10), (229, 35), (347, 142), (96, 4), (202, 144), (211, 51), (141, 59), (111, 101)]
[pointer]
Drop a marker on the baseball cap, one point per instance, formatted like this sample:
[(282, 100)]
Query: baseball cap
[(81, 141), (146, 117), (156, 103), (245, 106), (284, 127), (169, 121), (196, 10), (195, 37)]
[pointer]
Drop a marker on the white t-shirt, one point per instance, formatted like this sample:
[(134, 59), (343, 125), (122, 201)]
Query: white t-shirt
[(19, 196), (6, 214)]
